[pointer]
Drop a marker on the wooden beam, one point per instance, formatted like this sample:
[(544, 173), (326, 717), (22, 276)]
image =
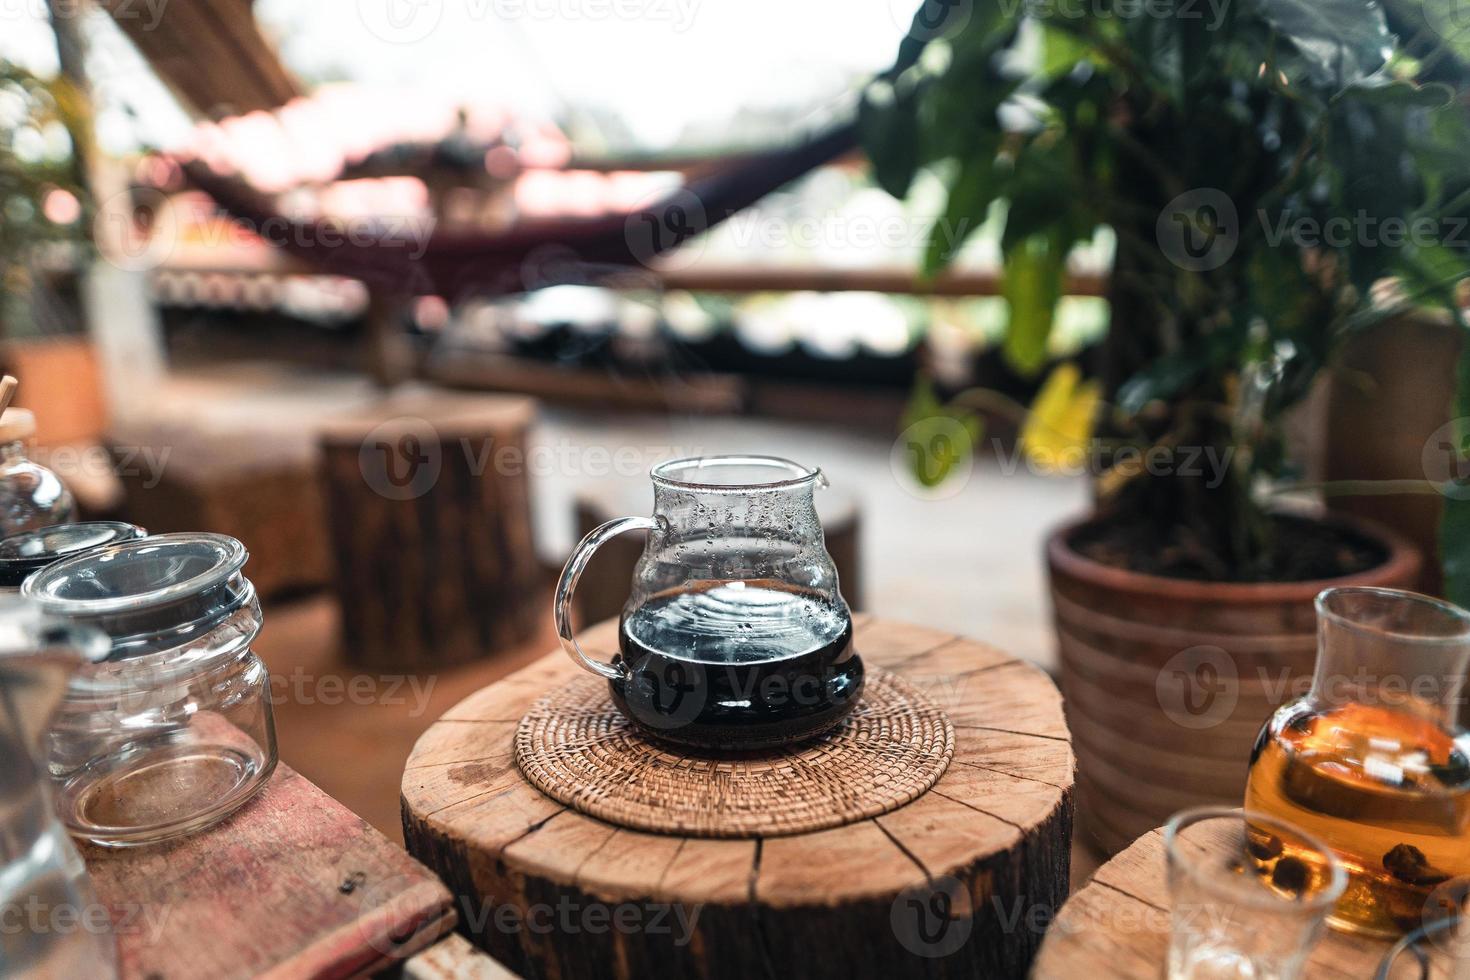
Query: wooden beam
[(210, 53)]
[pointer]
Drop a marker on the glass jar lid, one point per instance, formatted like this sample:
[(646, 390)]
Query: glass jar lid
[(151, 594), (24, 553)]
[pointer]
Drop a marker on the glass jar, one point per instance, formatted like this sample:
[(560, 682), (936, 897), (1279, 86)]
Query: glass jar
[(1375, 758), (41, 873), (31, 496), (173, 730), (21, 555)]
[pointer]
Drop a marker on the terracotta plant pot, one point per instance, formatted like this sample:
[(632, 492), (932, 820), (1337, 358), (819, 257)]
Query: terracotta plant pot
[(1168, 681), (1389, 397)]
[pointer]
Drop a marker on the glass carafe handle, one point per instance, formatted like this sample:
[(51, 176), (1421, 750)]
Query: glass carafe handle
[(569, 576)]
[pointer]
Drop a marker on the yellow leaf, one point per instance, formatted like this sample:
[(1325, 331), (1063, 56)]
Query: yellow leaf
[(1058, 429)]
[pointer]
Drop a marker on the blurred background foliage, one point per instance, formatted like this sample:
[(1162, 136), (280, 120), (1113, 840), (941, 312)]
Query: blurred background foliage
[(42, 201), (1220, 143)]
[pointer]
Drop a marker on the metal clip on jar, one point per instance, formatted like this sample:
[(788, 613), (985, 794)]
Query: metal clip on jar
[(172, 731)]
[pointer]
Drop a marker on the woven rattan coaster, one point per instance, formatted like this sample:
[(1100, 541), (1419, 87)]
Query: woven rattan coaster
[(575, 747)]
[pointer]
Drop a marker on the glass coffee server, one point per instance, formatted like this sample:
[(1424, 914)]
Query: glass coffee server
[(735, 634), (1375, 759)]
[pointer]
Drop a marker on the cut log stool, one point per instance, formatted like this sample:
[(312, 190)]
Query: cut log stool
[(605, 583), (255, 483), (428, 505), (1118, 926), (960, 882)]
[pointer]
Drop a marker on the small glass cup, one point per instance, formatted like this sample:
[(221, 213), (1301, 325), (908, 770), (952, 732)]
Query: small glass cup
[(1250, 894), (1461, 948), (23, 554), (173, 730)]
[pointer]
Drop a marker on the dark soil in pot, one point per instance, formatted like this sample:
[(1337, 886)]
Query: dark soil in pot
[(1306, 550)]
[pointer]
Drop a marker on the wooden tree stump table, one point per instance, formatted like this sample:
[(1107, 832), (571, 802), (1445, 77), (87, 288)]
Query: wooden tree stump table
[(1118, 926), (960, 882), (428, 506)]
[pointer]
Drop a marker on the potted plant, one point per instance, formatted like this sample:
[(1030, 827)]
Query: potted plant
[(41, 202), (1278, 175)]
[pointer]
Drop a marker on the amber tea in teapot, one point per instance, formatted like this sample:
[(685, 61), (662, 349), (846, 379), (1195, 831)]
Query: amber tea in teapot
[(1375, 759), (735, 635)]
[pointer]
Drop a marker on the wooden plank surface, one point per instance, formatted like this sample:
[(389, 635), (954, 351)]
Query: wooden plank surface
[(453, 958), (291, 885)]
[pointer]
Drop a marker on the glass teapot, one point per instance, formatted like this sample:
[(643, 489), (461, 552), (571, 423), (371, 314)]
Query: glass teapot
[(53, 924), (735, 635), (1375, 758)]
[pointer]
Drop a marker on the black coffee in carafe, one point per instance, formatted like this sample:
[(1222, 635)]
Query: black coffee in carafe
[(735, 634), (749, 664)]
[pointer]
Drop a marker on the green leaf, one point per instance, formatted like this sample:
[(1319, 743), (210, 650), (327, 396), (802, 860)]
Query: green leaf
[(1381, 91), (890, 134), (970, 195), (1337, 41), (1454, 525), (936, 438), (1441, 22), (1033, 284), (1165, 376), (1060, 52), (1454, 550)]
